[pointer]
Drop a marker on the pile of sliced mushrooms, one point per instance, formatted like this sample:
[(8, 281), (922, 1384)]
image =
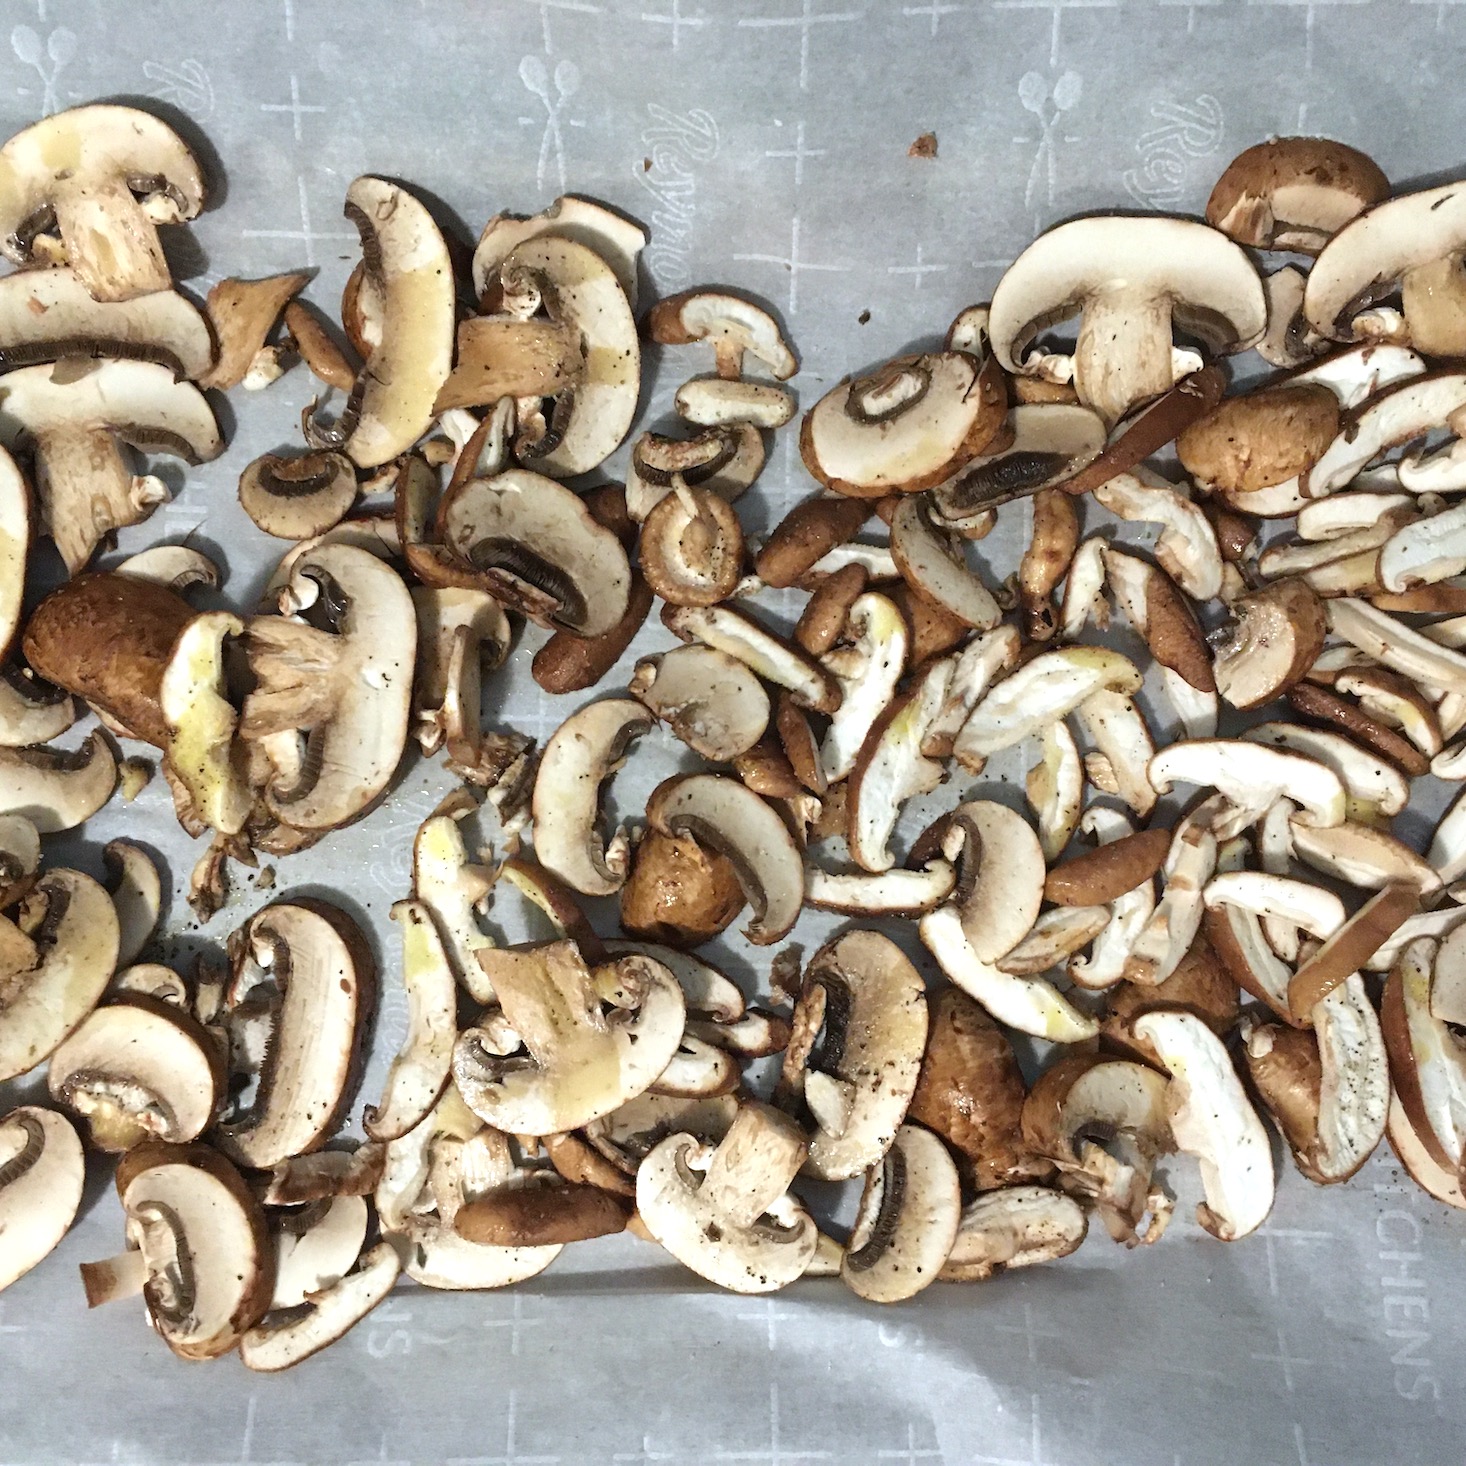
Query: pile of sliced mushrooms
[(1260, 946)]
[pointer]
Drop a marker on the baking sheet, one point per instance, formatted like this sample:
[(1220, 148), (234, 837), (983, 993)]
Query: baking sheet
[(766, 145)]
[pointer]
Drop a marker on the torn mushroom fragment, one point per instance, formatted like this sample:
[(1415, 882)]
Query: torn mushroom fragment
[(88, 187), (41, 1174), (1132, 282), (1186, 547), (709, 699), (732, 325), (1055, 789), (1162, 943), (461, 633), (453, 889), (1014, 1227), (243, 313), (1123, 748)]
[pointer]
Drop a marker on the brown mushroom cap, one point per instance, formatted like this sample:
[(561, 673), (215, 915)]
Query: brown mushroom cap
[(1201, 984), (1278, 635), (538, 1215), (1293, 193), (691, 548), (1287, 1072), (1347, 951), (1260, 439), (679, 893), (1105, 873), (808, 532)]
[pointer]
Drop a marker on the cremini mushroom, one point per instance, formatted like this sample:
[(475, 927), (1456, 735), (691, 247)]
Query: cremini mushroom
[(41, 1174), (298, 497), (453, 889), (1123, 748), (1130, 911), (1014, 1227), (691, 547), (1002, 874), (934, 567), (733, 326), (709, 699), (1275, 638), (679, 892), (715, 402), (868, 667), (55, 789)]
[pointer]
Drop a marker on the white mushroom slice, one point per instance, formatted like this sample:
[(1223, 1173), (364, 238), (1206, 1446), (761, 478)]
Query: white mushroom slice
[(1197, 711), (579, 1062), (41, 1174), (318, 962), (1275, 851), (775, 660), (1427, 1060), (1052, 441), (1055, 788), (1057, 934), (1253, 776), (1041, 691), (1397, 646), (407, 267), (1187, 545), (137, 893), (88, 186), (1289, 340), (1122, 740), (1318, 912), (734, 326), (1331, 553), (135, 1071), (422, 1067), (710, 700), (868, 669), (1236, 936), (316, 1247), (582, 753), (1361, 372), (876, 560), (1167, 936), (715, 402), (1340, 516), (336, 1308), (727, 816), (904, 427), (349, 689), (1002, 864), (1441, 1182), (890, 893), (31, 712), (402, 1185), (453, 889), (1450, 763), (724, 1211), (984, 659), (617, 240), (697, 1069), (1028, 1004), (1373, 786), (1395, 702), (460, 633), (1441, 472), (1013, 1227), (72, 923), (1110, 951), (910, 1211), (17, 526), (178, 567), (1212, 1119), (1084, 590), (435, 1256), (1161, 613), (204, 1246), (1367, 858), (1435, 925), (892, 768), (1132, 281), (76, 416), (866, 1005), (57, 790), (933, 566), (1425, 551), (151, 980)]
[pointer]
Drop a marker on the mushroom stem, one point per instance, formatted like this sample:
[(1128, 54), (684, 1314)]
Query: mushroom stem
[(1109, 378), (88, 490), (110, 241), (754, 1165)]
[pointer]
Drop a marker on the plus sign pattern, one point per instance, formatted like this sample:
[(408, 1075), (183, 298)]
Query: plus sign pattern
[(765, 144)]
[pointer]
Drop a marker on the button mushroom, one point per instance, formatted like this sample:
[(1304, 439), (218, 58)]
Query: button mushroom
[(41, 1175)]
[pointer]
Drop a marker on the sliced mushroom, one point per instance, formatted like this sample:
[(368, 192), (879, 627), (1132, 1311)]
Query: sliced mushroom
[(868, 669), (297, 497), (1108, 872), (934, 567), (88, 187), (1187, 546), (723, 460), (1253, 776), (1056, 936), (617, 240), (1161, 613), (909, 1214), (31, 711), (453, 889), (1130, 912), (1374, 787), (1367, 858), (678, 892), (1317, 911), (1123, 748), (137, 893), (577, 1062), (732, 325), (806, 534), (1396, 702), (1276, 637), (889, 893), (1014, 1227), (1132, 281), (709, 699), (1212, 1119), (1162, 943), (1289, 341), (313, 960), (1002, 865), (691, 547), (712, 402), (1055, 788), (1437, 1180), (981, 662), (907, 426), (1201, 984), (57, 790), (41, 1174)]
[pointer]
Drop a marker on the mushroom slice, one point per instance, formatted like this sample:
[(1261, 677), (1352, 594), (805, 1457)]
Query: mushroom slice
[(1427, 1059), (697, 1068), (617, 240), (1253, 775), (1014, 1227), (1289, 341), (932, 565), (1369, 930), (1052, 441), (317, 962), (1361, 519), (453, 889), (71, 927), (299, 496), (1416, 239), (137, 893), (1276, 637), (1424, 551), (20, 857), (1102, 1121), (724, 1211), (1161, 613), (580, 755), (734, 326), (1161, 945), (1002, 885), (1045, 688), (348, 687), (810, 531), (88, 186), (17, 528), (1437, 1180), (422, 1067), (1396, 702), (335, 1309), (243, 313), (41, 1173), (408, 271), (1132, 281), (1318, 912), (31, 711), (691, 547), (910, 1211), (1130, 915), (175, 567), (1367, 858), (1294, 193), (724, 460), (715, 402), (729, 630), (1056, 935), (579, 1062), (891, 768), (679, 891), (1187, 546), (1261, 441), (539, 550), (1123, 748), (151, 980), (1055, 788), (1212, 1119), (316, 1247), (710, 700), (136, 1070), (1028, 1004), (868, 670), (730, 818), (1106, 873), (460, 632), (57, 790), (988, 656), (907, 426), (75, 416), (1399, 647), (889, 893), (1374, 787)]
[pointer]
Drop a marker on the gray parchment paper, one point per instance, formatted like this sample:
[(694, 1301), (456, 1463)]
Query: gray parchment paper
[(765, 144)]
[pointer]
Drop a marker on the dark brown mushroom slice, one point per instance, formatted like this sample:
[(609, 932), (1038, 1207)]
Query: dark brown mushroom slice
[(1326, 707)]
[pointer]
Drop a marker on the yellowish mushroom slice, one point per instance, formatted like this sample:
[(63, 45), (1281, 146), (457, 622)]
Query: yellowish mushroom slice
[(1435, 1179), (1084, 590), (910, 1211), (711, 700), (1055, 788), (733, 326), (868, 664), (554, 1058), (1013, 1227), (1373, 786), (454, 890), (1212, 1119), (41, 1174), (1367, 858)]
